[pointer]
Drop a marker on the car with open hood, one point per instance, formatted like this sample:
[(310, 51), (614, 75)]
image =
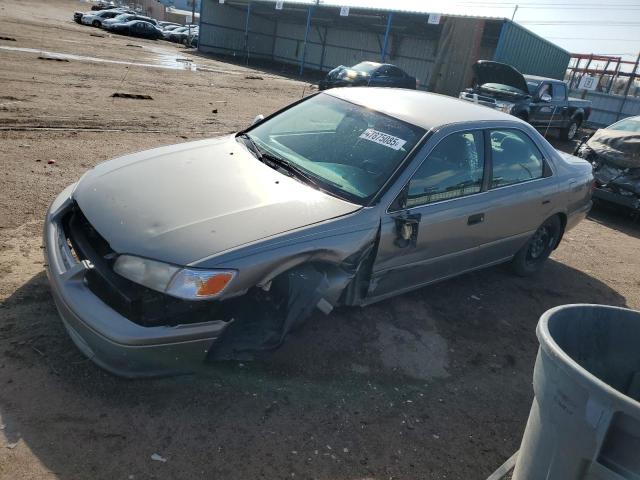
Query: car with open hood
[(162, 259), (614, 152), (541, 101)]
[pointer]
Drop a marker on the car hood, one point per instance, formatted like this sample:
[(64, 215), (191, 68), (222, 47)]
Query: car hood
[(494, 72), (618, 147), (184, 203)]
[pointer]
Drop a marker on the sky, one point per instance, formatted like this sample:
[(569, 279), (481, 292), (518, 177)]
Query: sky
[(579, 26)]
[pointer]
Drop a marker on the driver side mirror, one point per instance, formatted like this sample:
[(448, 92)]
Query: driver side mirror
[(258, 119), (545, 97)]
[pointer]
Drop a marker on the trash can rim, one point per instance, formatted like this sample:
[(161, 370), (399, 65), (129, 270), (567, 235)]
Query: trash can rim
[(564, 361)]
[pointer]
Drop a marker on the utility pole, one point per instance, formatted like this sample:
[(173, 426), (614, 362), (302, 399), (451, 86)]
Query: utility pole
[(193, 17)]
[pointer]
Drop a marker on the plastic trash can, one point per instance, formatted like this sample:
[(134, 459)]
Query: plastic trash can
[(584, 423)]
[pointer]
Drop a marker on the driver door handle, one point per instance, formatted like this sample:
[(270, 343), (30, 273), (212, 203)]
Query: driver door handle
[(475, 219)]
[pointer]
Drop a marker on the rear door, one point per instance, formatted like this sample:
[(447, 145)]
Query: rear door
[(521, 190)]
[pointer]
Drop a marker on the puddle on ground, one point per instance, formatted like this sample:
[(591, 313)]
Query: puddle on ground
[(160, 59)]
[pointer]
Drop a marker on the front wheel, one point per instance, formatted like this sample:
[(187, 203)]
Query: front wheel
[(570, 132), (95, 23), (535, 252)]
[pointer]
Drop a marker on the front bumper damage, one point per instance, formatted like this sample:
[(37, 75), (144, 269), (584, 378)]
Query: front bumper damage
[(140, 335), (615, 171), (105, 336)]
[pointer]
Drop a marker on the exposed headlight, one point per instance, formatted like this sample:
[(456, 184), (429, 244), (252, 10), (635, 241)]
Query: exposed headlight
[(186, 283), (504, 106)]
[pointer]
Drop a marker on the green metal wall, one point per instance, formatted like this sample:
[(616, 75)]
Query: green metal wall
[(530, 53)]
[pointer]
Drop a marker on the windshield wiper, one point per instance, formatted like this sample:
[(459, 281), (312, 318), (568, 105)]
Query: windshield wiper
[(253, 146), (277, 162)]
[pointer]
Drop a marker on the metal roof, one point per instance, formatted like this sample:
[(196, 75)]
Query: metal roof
[(335, 5), (425, 110)]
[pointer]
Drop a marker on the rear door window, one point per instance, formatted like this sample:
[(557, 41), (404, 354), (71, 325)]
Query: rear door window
[(453, 169), (515, 158), (395, 72)]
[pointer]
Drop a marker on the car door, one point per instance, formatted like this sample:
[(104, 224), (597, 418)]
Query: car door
[(521, 192), (432, 231), (541, 108), (559, 99), (147, 30)]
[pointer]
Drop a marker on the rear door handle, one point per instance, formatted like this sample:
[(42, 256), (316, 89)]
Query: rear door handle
[(475, 219)]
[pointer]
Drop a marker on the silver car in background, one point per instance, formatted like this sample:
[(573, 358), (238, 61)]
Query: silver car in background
[(159, 259)]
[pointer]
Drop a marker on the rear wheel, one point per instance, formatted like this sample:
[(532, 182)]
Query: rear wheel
[(570, 132), (535, 252)]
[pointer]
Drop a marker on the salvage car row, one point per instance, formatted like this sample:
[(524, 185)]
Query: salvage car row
[(128, 22)]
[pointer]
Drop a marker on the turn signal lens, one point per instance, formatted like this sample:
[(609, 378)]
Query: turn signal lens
[(214, 285), (199, 284)]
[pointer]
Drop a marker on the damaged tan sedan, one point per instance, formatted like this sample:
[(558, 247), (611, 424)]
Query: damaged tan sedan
[(163, 259)]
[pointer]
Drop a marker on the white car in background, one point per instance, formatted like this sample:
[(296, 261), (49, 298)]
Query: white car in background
[(95, 19)]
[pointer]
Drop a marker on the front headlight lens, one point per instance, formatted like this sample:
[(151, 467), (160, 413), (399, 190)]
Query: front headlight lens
[(151, 274), (186, 283), (504, 106)]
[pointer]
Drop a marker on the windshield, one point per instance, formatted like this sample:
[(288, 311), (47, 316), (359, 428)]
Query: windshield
[(627, 125), (366, 67), (502, 88), (346, 149), (123, 17)]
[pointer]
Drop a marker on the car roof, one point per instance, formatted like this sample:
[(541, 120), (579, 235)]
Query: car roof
[(425, 110)]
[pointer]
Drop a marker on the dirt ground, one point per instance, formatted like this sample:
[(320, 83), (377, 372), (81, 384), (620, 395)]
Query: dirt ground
[(435, 384)]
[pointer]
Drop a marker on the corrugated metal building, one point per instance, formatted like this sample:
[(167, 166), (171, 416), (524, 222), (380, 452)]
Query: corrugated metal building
[(437, 50)]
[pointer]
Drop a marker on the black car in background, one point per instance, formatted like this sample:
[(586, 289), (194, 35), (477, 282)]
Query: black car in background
[(103, 6), (127, 17), (136, 28), (368, 74)]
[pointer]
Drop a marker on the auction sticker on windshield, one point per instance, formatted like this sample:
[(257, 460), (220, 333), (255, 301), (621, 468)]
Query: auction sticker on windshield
[(383, 139)]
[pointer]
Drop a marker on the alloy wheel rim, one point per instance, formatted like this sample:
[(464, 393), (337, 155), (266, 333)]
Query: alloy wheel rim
[(539, 243)]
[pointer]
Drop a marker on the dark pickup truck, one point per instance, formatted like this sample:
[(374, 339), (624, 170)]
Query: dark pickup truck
[(543, 102)]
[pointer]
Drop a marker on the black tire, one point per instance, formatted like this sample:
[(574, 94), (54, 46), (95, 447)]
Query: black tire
[(96, 23), (535, 252), (571, 131)]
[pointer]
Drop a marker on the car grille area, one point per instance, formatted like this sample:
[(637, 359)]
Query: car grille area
[(137, 303)]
